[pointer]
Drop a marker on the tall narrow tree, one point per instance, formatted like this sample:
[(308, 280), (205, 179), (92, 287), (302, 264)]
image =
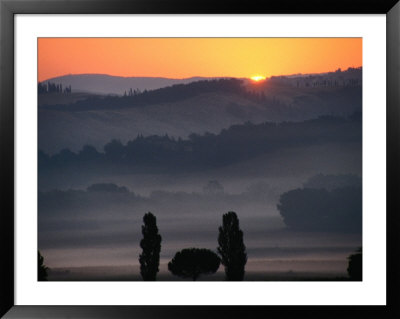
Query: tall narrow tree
[(231, 247), (42, 268), (151, 246)]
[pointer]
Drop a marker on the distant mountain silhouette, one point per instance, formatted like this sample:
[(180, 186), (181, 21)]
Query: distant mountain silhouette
[(117, 85), (108, 84)]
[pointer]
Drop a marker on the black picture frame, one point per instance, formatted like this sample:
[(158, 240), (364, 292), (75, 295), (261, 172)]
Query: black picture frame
[(8, 8)]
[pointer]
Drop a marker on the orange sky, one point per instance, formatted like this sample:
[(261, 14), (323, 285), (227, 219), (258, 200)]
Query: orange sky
[(187, 57)]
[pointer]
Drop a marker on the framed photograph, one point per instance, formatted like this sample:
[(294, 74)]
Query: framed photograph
[(242, 160)]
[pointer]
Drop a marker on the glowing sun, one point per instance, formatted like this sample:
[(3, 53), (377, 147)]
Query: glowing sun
[(258, 78)]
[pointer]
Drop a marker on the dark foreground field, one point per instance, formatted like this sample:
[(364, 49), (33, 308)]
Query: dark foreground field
[(126, 273)]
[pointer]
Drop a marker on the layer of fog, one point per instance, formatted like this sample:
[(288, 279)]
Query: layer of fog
[(278, 171), (96, 227)]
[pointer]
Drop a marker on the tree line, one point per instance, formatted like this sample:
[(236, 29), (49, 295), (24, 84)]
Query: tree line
[(49, 87), (236, 143), (170, 94)]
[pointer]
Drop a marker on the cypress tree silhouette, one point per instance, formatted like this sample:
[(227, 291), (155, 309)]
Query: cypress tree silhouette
[(192, 262), (151, 246), (42, 269), (231, 247), (354, 268)]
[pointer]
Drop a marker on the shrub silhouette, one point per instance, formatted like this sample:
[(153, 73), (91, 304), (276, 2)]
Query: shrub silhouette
[(354, 268), (308, 209), (151, 246), (231, 247), (42, 269), (193, 262)]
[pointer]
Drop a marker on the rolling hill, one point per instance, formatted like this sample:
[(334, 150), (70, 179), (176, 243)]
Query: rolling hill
[(107, 84), (73, 120)]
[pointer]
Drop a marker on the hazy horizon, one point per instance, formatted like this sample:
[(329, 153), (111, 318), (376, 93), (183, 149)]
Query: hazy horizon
[(196, 76), (233, 57), (283, 152)]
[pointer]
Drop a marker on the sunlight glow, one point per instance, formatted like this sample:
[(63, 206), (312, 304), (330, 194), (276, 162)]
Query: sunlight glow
[(258, 78), (178, 58)]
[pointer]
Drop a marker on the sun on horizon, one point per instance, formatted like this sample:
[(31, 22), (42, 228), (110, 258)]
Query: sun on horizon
[(258, 78), (205, 57)]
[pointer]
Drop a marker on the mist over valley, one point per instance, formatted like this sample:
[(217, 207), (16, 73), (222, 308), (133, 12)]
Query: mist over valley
[(284, 154)]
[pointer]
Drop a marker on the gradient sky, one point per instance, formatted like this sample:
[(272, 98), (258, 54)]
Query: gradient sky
[(187, 57)]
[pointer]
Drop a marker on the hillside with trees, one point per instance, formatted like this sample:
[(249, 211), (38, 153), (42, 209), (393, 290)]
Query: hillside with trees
[(181, 110), (235, 144)]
